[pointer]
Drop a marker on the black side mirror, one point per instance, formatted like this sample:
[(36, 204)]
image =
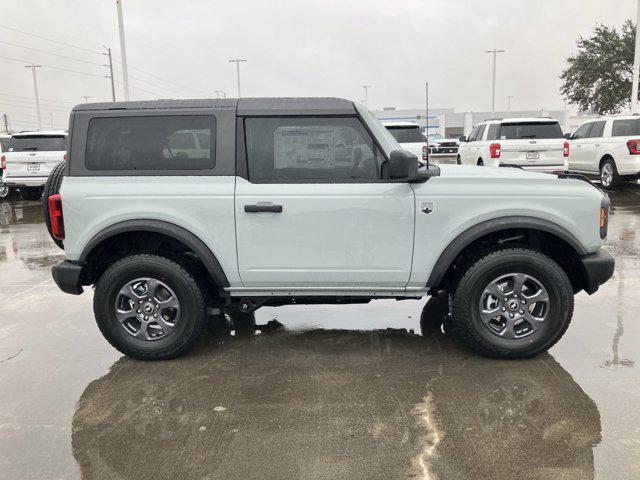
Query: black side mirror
[(462, 138), (567, 136), (402, 165)]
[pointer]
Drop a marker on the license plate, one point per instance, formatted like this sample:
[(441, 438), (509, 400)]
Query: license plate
[(533, 155), (33, 167)]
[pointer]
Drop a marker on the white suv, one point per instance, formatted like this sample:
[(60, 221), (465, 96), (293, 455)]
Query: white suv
[(531, 143), (608, 146), (410, 138)]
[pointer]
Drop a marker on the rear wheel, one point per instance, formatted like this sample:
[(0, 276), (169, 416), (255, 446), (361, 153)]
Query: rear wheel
[(149, 307), (5, 190), (31, 193), (459, 160), (609, 176), (480, 163), (512, 303)]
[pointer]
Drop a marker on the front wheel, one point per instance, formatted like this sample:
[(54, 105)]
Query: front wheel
[(459, 160), (512, 303), (609, 176), (149, 307)]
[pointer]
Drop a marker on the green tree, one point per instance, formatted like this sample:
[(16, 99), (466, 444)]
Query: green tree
[(599, 76)]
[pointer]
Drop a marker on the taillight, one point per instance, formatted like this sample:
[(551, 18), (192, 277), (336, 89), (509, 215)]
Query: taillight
[(425, 153), (494, 150), (55, 215), (3, 162), (64, 157), (632, 145), (565, 150)]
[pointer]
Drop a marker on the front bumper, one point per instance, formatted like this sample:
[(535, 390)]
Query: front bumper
[(597, 269), (68, 276)]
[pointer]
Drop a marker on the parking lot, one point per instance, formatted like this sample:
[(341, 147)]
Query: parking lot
[(339, 392)]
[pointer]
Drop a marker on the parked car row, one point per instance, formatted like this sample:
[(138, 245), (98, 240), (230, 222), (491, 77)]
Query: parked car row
[(27, 159)]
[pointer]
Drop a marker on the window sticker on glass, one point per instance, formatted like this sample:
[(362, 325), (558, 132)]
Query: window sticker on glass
[(310, 147)]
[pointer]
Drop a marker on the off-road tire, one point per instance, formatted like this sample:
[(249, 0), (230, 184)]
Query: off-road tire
[(192, 307), (466, 299), (52, 187)]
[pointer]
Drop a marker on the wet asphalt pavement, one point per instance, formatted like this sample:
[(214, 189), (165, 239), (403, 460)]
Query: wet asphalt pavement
[(341, 392)]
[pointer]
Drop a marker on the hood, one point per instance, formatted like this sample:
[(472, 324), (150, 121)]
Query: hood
[(469, 171)]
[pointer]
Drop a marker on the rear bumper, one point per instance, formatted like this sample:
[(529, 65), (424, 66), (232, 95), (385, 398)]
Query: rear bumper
[(25, 181), (68, 276), (597, 268), (560, 168)]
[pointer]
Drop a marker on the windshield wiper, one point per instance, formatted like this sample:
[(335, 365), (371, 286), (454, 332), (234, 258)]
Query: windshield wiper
[(30, 149)]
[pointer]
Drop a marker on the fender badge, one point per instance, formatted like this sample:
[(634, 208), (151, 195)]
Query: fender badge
[(426, 207)]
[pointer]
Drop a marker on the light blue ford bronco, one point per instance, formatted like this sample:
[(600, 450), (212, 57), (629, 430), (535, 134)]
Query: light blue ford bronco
[(171, 208)]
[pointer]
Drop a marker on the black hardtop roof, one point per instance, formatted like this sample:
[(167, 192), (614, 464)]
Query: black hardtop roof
[(244, 106)]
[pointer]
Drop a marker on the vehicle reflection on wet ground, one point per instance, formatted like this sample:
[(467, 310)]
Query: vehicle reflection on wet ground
[(340, 392)]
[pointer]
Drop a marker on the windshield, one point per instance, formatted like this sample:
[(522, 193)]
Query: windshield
[(520, 130), (406, 134), (435, 136), (386, 140), (39, 143)]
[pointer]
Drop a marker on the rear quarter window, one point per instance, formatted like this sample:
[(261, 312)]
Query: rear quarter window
[(626, 128), (159, 142)]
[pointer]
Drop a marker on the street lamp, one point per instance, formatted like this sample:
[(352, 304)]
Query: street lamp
[(123, 52), (493, 88), (237, 62), (366, 96), (35, 89)]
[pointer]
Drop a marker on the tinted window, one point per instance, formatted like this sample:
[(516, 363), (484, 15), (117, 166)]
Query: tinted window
[(406, 134), (597, 129), (493, 131), (310, 150), (626, 128), (583, 131), (151, 143), (473, 136), (39, 143), (520, 130), (5, 143)]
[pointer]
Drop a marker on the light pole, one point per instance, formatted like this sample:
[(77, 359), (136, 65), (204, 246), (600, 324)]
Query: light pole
[(237, 62), (35, 89), (509, 97), (86, 98), (366, 95), (113, 87), (493, 88), (636, 66), (426, 109), (123, 52)]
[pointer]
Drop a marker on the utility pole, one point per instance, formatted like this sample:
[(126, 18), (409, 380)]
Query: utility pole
[(5, 118), (237, 62), (113, 87), (366, 95), (426, 116), (493, 88), (86, 98), (509, 97), (123, 52), (636, 66), (35, 89)]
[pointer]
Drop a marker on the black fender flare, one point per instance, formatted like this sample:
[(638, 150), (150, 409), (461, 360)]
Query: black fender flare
[(202, 251), (489, 226)]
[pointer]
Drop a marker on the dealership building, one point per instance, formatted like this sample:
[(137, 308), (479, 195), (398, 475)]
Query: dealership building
[(452, 124)]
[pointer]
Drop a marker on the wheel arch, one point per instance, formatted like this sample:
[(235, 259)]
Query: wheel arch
[(162, 228), (606, 156), (499, 230)]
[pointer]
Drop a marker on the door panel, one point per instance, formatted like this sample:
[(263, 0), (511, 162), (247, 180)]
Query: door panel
[(326, 235)]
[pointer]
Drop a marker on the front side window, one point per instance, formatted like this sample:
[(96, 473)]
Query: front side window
[(310, 150), (583, 131), (160, 142), (38, 143), (480, 132), (473, 136), (530, 130), (626, 128)]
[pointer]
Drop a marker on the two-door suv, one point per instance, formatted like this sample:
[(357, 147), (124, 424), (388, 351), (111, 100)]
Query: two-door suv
[(173, 207)]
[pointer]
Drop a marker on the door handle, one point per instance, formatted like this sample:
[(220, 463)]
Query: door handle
[(263, 208)]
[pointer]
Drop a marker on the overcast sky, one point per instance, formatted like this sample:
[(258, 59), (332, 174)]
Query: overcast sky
[(180, 49)]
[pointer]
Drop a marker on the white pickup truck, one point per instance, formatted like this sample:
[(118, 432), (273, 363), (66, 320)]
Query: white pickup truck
[(30, 159)]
